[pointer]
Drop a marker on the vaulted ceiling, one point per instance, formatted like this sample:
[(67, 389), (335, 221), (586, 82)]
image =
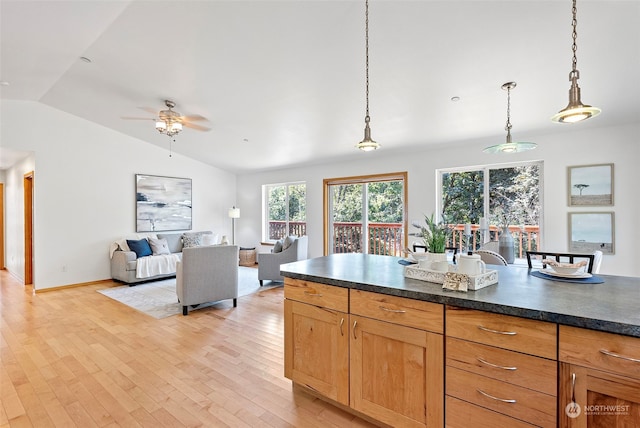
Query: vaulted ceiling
[(282, 82)]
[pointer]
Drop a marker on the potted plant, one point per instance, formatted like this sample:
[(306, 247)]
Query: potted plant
[(435, 235)]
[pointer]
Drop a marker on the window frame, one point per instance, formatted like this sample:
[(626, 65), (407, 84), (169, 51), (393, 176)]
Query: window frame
[(363, 179), (265, 207), (486, 181)]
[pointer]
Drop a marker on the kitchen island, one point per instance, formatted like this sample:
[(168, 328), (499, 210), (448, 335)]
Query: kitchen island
[(381, 345)]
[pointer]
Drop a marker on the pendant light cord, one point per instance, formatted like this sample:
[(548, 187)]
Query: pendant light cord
[(366, 49), (508, 125), (574, 46)]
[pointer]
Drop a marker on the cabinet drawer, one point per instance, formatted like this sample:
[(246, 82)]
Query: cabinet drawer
[(398, 310), (461, 414), (504, 331), (519, 369), (599, 350), (515, 401), (326, 296)]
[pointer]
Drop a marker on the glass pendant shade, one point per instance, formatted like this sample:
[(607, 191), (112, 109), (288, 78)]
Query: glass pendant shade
[(509, 146)]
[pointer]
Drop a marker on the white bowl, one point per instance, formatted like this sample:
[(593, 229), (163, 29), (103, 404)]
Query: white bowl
[(566, 270)]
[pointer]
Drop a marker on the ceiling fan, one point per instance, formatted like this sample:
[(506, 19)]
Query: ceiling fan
[(170, 122)]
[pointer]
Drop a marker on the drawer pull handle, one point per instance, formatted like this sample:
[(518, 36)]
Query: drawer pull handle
[(355, 323), (395, 311), (613, 354), (341, 324), (504, 400), (312, 294), (507, 333), (495, 365)]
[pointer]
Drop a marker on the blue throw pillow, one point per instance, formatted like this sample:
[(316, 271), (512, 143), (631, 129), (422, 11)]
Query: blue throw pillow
[(141, 247)]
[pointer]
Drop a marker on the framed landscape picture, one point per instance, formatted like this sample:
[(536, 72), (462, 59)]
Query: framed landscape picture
[(591, 185), (591, 231), (162, 203)]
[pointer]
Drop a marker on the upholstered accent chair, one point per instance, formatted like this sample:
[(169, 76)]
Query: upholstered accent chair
[(269, 263), (207, 274)]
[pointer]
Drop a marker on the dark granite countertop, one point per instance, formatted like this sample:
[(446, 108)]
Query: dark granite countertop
[(613, 306)]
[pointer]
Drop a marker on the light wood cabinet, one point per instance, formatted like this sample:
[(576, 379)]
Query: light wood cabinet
[(496, 368), (383, 359), (396, 368), (600, 373), (316, 339)]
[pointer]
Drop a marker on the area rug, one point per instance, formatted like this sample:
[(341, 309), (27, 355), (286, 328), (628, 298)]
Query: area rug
[(158, 298)]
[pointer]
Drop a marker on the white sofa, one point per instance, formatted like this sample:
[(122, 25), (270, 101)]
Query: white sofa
[(127, 267)]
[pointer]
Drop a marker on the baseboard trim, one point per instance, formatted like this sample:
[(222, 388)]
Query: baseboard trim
[(80, 284)]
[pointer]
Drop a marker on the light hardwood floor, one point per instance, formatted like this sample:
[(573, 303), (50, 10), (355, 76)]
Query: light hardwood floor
[(73, 357)]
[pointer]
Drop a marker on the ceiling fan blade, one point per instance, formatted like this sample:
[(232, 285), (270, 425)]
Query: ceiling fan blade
[(193, 118), (196, 127), (136, 118), (150, 110)]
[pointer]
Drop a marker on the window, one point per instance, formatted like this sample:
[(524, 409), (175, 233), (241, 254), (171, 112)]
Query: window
[(506, 195), (285, 210), (365, 214)]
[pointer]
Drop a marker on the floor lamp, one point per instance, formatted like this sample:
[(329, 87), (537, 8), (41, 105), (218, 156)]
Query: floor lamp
[(234, 213)]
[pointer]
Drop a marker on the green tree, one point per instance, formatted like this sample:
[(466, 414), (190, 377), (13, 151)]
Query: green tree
[(463, 196)]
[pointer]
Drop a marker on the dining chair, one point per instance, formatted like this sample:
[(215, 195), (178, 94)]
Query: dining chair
[(561, 258), (491, 257)]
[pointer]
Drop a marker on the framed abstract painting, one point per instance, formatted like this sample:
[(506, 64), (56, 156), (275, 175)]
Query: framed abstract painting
[(162, 203)]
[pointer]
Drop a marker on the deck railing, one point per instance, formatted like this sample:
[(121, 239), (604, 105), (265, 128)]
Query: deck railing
[(388, 239), (384, 238), (278, 229), (525, 238)]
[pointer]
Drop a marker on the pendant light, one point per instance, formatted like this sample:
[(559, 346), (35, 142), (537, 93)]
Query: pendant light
[(509, 146), (575, 111), (367, 144)]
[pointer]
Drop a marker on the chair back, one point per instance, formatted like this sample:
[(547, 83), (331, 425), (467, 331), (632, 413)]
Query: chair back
[(597, 261), (491, 257), (561, 258)]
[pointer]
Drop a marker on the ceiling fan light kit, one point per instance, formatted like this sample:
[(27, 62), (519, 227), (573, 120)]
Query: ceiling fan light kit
[(575, 111), (169, 121), (367, 144), (509, 146)]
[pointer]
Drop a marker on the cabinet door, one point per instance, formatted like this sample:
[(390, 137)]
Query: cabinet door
[(605, 400), (396, 373), (316, 349)]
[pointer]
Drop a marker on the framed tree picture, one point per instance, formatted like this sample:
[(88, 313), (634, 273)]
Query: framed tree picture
[(162, 203), (591, 231), (590, 185)]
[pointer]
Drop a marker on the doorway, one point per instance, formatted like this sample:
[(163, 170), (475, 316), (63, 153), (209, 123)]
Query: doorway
[(28, 228), (2, 226)]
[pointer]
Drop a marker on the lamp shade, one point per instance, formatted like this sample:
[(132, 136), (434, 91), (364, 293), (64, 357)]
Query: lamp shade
[(234, 212)]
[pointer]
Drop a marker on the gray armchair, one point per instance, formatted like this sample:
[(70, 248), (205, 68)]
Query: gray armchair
[(207, 274), (269, 263)]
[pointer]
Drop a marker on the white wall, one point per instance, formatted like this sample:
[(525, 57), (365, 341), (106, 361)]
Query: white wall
[(85, 191), (573, 146)]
